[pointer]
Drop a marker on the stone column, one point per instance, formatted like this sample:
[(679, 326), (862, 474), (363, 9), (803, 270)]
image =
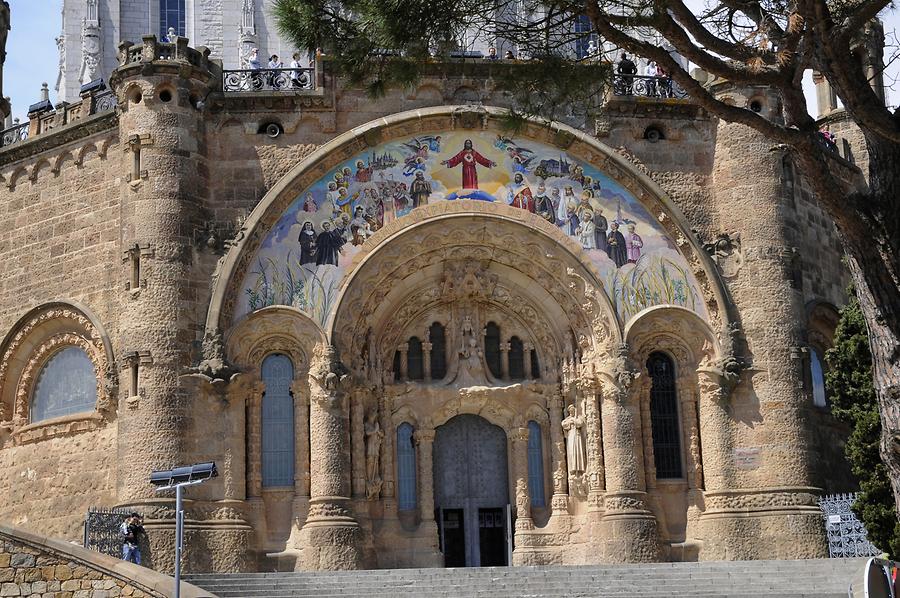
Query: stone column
[(300, 391), (593, 427), (642, 390), (691, 426), (426, 360), (254, 460), (519, 449), (254, 440), (629, 529), (387, 453), (332, 537), (715, 432), (358, 443), (404, 351), (527, 359), (504, 361), (560, 500), (428, 552), (425, 442)]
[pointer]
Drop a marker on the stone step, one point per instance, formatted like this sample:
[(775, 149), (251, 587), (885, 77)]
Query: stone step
[(732, 579)]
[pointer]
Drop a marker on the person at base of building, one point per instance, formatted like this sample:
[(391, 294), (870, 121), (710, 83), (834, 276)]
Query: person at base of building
[(131, 531)]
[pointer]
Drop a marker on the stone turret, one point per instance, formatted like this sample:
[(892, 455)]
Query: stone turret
[(160, 87), (752, 198)]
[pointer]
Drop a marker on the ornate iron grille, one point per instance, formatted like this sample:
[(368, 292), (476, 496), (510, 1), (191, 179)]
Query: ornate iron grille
[(269, 80), (101, 530), (846, 534), (14, 134), (648, 87)]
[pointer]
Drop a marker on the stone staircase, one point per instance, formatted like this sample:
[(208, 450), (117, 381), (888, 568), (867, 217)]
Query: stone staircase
[(822, 578)]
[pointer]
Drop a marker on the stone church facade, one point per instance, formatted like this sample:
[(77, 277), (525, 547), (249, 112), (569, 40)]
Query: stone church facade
[(407, 336)]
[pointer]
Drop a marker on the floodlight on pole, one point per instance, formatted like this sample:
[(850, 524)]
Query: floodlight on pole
[(178, 478)]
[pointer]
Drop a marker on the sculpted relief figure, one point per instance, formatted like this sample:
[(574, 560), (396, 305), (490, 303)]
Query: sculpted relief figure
[(374, 438), (471, 357), (575, 454)]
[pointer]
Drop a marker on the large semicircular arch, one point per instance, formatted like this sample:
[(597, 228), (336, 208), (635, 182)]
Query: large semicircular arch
[(579, 272), (365, 137)]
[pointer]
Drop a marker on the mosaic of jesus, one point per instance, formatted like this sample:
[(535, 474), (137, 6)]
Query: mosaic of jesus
[(304, 256)]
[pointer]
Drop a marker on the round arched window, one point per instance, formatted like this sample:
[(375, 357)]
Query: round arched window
[(67, 384)]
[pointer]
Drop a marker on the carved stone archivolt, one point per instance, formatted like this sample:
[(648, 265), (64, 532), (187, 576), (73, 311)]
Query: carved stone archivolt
[(428, 272), (277, 329), (39, 336)]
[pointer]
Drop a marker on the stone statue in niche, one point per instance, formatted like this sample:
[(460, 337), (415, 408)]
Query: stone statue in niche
[(575, 454), (471, 357), (374, 438)]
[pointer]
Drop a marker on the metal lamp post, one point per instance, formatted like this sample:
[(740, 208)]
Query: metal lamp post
[(178, 478)]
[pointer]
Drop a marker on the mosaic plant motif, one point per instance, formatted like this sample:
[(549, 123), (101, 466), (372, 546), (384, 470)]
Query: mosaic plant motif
[(302, 260)]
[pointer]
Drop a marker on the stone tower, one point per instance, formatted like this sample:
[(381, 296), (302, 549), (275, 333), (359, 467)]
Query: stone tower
[(770, 280), (159, 88)]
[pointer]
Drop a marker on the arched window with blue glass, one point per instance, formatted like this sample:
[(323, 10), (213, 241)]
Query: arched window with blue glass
[(277, 422), (172, 15), (406, 468), (817, 374), (66, 385), (664, 416), (535, 465)]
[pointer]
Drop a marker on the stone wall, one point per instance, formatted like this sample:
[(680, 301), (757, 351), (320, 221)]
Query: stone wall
[(36, 565), (59, 239)]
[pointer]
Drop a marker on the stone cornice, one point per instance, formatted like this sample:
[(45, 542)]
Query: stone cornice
[(76, 131)]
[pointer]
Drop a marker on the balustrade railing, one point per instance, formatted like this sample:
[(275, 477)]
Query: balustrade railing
[(269, 80), (648, 87), (14, 134)]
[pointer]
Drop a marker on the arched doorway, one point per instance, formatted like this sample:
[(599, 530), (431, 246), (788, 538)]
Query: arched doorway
[(471, 484)]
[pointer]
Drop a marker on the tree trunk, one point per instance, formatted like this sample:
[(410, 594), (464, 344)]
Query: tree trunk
[(869, 226)]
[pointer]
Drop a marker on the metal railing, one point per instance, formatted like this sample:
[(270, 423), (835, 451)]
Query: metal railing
[(269, 80), (14, 134), (648, 87), (101, 530)]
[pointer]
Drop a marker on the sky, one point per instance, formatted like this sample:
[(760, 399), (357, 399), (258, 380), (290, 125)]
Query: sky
[(32, 57)]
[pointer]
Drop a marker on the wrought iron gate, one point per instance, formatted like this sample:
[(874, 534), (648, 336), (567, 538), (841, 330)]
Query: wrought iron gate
[(846, 534), (101, 530)]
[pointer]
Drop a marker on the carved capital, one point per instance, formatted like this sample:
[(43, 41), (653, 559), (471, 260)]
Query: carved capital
[(619, 374), (328, 378), (424, 435)]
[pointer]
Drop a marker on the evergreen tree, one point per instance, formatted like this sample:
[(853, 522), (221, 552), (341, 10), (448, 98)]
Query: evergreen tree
[(853, 400)]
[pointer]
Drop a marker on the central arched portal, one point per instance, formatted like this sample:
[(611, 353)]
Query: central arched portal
[(471, 483)]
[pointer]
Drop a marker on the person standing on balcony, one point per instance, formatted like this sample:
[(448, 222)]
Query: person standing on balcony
[(295, 72), (665, 82), (627, 70), (273, 77), (652, 74)]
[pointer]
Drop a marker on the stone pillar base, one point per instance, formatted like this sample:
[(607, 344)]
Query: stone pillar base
[(331, 539), (629, 538), (769, 534)]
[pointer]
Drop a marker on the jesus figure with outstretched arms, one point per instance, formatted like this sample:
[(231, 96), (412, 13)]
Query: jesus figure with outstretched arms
[(468, 157)]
